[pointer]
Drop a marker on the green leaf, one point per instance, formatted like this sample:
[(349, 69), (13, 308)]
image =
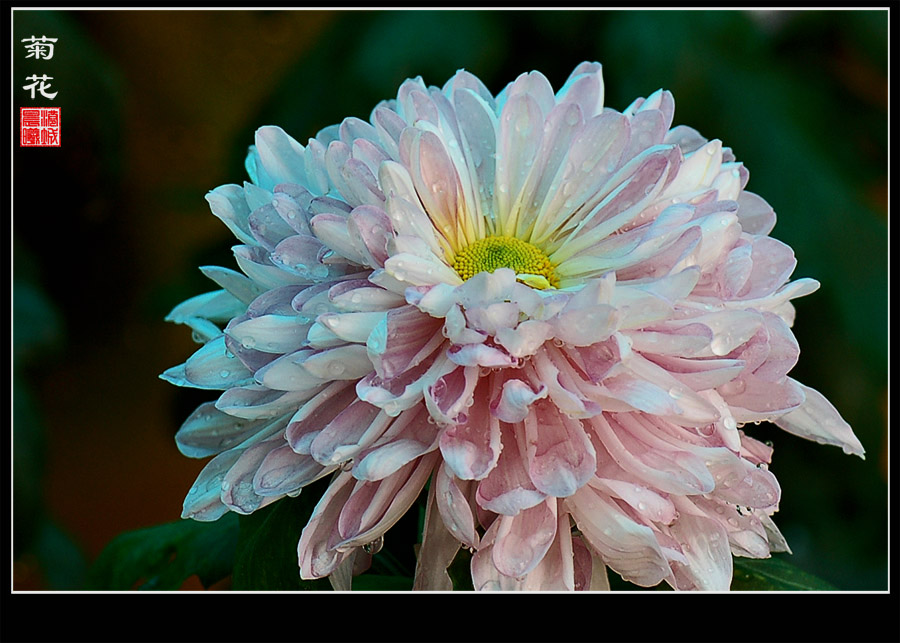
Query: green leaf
[(266, 555), (164, 556), (62, 561), (773, 574)]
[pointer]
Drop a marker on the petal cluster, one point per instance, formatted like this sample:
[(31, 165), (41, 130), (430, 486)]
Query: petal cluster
[(565, 425)]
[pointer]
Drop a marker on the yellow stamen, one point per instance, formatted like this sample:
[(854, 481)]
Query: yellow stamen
[(486, 255)]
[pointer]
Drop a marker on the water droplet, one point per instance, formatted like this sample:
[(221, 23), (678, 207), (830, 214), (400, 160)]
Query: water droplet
[(375, 546), (248, 342), (720, 345), (729, 423), (224, 373)]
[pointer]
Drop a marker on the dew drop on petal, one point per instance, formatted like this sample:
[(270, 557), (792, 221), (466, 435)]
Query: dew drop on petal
[(375, 546)]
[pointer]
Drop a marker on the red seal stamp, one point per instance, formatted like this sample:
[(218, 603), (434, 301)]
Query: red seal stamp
[(39, 127)]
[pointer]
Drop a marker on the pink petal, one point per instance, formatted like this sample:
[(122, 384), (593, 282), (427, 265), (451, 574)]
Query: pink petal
[(316, 552), (403, 341), (436, 182), (268, 227), (450, 397), (649, 504), (584, 87), (354, 428), (627, 547), (284, 471), (453, 505), (204, 499), (237, 485), (256, 402), (508, 488), (752, 398), (229, 204), (673, 471), (755, 215), (370, 230), (817, 419), (374, 507), (316, 413), (208, 431), (523, 540), (437, 552), (408, 437), (704, 543), (560, 456), (516, 397), (472, 449), (480, 355)]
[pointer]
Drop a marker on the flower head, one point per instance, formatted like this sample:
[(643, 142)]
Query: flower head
[(558, 313)]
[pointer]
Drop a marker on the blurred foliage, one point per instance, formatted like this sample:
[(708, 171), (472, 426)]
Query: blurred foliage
[(37, 338), (164, 556)]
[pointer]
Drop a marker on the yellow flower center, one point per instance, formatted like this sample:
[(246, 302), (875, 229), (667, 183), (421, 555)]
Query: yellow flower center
[(532, 266)]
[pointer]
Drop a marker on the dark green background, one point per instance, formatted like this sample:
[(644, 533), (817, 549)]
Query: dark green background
[(158, 107)]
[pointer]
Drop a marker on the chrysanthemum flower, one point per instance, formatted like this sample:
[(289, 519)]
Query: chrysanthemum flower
[(557, 313)]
